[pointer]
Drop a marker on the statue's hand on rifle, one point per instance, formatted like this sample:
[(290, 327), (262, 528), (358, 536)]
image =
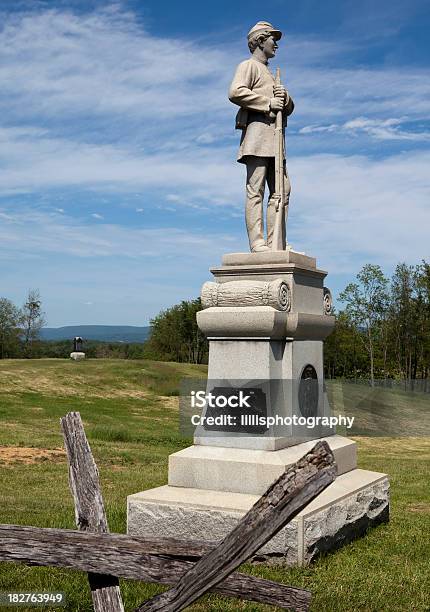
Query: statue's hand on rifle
[(277, 104), (280, 92)]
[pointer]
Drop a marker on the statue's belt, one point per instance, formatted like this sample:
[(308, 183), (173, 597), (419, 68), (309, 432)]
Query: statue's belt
[(244, 117)]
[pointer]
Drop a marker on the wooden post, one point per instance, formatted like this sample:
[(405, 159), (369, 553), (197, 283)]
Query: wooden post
[(89, 508)]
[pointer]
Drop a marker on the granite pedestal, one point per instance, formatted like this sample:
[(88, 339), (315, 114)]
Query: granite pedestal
[(266, 317), (356, 501)]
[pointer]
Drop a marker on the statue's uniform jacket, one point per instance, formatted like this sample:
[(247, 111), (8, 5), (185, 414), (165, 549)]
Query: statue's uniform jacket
[(252, 90)]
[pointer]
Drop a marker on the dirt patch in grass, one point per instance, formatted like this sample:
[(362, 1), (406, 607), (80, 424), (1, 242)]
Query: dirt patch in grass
[(133, 393), (21, 454), (420, 508), (170, 402)]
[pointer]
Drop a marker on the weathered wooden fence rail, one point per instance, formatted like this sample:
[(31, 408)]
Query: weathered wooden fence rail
[(160, 560), (192, 567)]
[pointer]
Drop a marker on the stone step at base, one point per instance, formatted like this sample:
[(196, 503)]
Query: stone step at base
[(356, 501), (240, 470)]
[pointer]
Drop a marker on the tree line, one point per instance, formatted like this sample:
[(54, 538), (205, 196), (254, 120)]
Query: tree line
[(174, 336), (383, 330)]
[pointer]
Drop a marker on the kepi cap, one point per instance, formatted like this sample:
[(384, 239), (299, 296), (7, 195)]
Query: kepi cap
[(264, 26)]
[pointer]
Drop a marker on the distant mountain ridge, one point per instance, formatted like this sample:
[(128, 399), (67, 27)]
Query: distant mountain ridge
[(103, 333)]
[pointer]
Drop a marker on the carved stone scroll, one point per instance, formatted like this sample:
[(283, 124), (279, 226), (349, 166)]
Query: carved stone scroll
[(247, 293)]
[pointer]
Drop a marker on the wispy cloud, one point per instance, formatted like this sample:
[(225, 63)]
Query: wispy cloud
[(127, 85), (38, 232), (334, 92), (357, 209), (353, 209), (379, 129), (46, 163), (102, 63)]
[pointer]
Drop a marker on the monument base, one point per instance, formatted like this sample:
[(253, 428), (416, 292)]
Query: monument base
[(266, 318), (77, 356), (354, 502)]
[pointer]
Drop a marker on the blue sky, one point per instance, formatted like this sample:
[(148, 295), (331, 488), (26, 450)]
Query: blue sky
[(119, 186)]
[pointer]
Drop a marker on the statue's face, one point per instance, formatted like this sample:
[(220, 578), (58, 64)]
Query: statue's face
[(269, 47)]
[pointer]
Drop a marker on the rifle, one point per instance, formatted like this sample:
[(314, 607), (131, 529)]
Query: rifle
[(279, 237)]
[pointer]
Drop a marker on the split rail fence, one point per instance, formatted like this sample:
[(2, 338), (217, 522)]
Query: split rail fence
[(192, 568)]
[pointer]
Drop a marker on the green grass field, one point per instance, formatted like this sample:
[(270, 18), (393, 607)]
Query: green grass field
[(130, 413)]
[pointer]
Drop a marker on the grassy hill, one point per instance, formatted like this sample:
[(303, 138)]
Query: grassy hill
[(130, 413), (104, 333)]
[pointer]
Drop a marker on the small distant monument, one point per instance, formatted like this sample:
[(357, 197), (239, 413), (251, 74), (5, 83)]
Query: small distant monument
[(77, 354)]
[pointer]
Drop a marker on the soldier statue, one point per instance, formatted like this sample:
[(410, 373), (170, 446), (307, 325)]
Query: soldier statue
[(260, 98), (77, 344)]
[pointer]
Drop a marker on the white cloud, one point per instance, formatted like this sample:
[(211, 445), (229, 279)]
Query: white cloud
[(355, 209), (325, 93), (104, 102), (102, 62), (97, 216), (37, 232), (388, 129), (105, 66), (344, 210), (313, 129), (379, 129), (7, 217), (207, 138), (45, 163)]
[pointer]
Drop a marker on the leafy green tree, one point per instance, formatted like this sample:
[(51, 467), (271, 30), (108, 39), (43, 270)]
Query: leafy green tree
[(344, 352), (175, 336), (9, 332), (422, 280), (403, 318), (388, 322), (366, 306)]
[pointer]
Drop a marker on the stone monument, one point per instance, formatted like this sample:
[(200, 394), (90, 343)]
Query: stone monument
[(266, 315), (77, 354)]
